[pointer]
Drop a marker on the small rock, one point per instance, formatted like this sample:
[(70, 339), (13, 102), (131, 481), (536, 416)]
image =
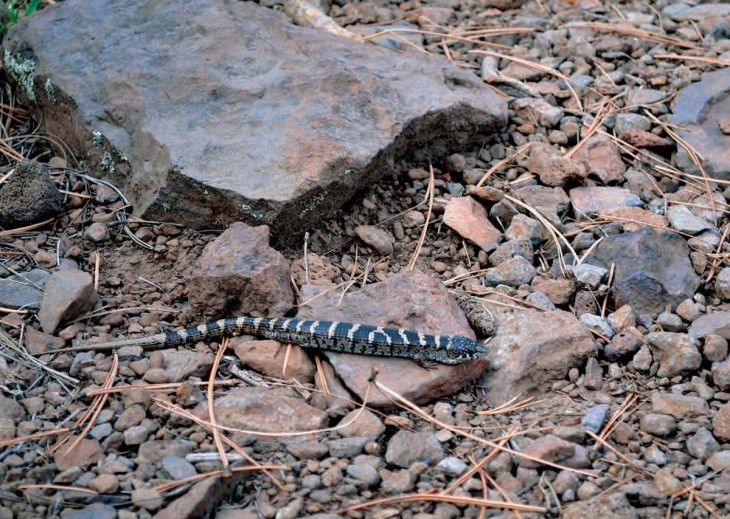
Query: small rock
[(548, 448), (469, 219), (624, 345), (594, 418), (68, 294), (406, 448), (347, 447), (722, 284), (702, 445), (364, 472), (452, 466), (552, 168), (716, 348), (676, 353), (658, 424), (593, 200), (684, 220), (688, 310), (147, 498), (717, 323), (590, 276), (97, 232), (721, 423), (559, 291), (84, 454), (525, 228), (380, 240), (178, 467), (597, 324), (267, 357), (679, 406), (538, 110), (721, 374), (601, 157), (28, 195), (670, 322), (23, 290), (367, 425), (513, 272), (646, 140)]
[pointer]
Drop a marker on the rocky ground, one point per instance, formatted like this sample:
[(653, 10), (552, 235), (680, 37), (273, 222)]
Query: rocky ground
[(593, 229)]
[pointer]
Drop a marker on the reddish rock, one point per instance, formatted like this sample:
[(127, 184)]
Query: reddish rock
[(37, 342), (380, 240), (528, 351), (86, 453), (676, 353), (721, 424), (263, 410), (721, 374), (409, 299), (331, 395), (679, 406), (219, 159), (268, 356), (181, 364), (643, 139), (633, 218), (559, 291), (467, 217), (67, 294), (203, 497), (240, 274), (548, 448), (552, 168), (601, 157)]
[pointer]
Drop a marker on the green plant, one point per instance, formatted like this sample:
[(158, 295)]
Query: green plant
[(14, 10)]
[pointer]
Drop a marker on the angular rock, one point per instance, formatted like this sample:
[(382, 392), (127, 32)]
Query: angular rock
[(552, 168), (698, 112), (409, 299), (658, 424), (552, 203), (633, 218), (263, 410), (559, 291), (67, 294), (537, 110), (23, 290), (652, 269), (593, 200), (467, 217), (548, 448), (85, 453), (528, 350), (378, 239), (340, 124), (623, 345), (679, 406), (684, 220), (202, 498), (646, 140), (181, 364), (268, 357), (676, 353), (722, 284), (601, 157), (702, 444), (721, 374), (716, 323), (406, 448), (240, 274), (612, 506), (721, 424), (512, 272), (28, 195)]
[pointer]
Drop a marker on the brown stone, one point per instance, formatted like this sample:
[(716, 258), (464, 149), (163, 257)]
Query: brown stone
[(67, 294), (409, 299), (240, 274), (467, 217), (86, 453), (552, 168), (338, 124), (548, 448), (601, 157), (643, 139), (559, 291), (721, 424), (528, 350), (592, 200), (268, 358), (633, 218)]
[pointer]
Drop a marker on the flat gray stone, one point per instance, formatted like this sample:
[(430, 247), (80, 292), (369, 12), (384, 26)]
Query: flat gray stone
[(211, 112), (698, 111), (652, 269), (24, 290)]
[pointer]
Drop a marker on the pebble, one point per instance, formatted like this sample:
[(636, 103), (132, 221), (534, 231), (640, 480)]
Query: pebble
[(406, 448), (594, 418), (380, 240), (97, 232), (658, 424), (702, 445), (721, 374)]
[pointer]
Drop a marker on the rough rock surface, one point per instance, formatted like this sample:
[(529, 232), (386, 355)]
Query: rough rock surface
[(23, 290), (240, 274), (344, 111), (652, 268), (28, 195), (67, 294), (409, 299), (699, 111), (528, 350)]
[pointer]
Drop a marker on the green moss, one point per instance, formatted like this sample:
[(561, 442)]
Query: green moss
[(50, 91), (312, 205), (23, 71)]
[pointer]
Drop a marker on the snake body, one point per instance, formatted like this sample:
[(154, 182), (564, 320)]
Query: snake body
[(360, 339)]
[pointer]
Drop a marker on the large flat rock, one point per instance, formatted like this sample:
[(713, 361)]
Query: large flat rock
[(700, 111), (216, 111)]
